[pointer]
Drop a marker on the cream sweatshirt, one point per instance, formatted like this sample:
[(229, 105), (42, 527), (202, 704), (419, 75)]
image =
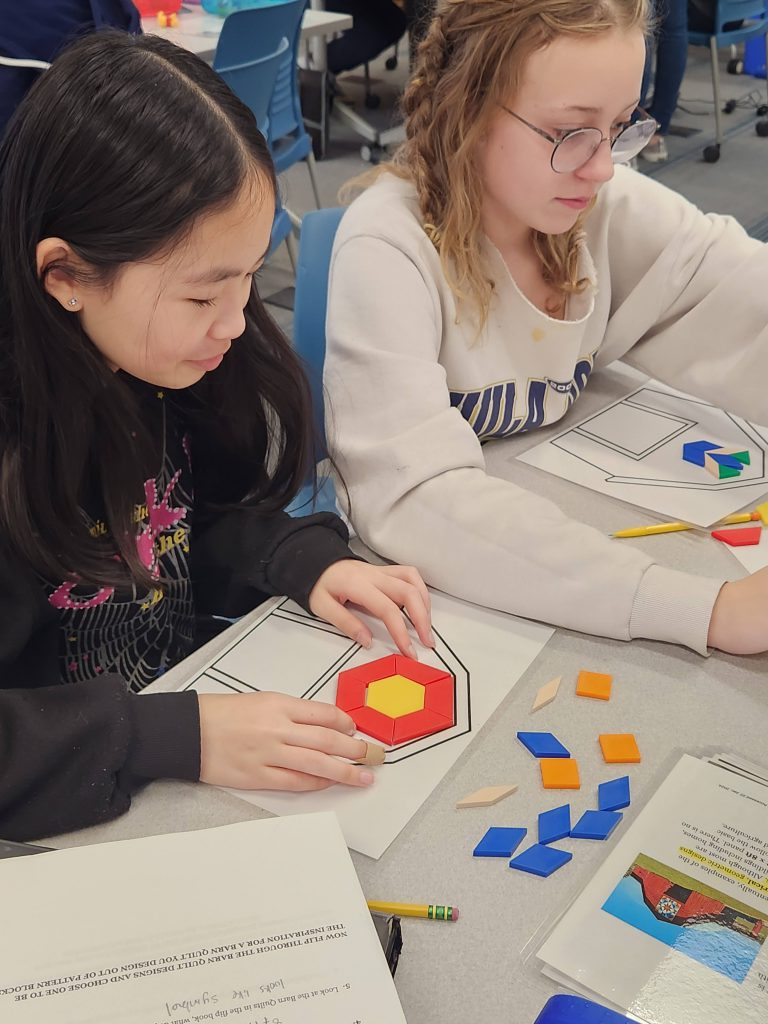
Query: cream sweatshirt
[(412, 394)]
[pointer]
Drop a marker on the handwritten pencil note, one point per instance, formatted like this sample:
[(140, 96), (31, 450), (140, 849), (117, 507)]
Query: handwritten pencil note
[(262, 922)]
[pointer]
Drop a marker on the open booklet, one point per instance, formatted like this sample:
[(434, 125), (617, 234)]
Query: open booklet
[(672, 927), (258, 922)]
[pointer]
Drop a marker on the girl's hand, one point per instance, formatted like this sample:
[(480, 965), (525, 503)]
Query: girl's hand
[(739, 623), (381, 590), (271, 741)]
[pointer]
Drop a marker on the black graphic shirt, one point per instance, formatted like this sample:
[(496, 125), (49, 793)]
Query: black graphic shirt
[(138, 634), (76, 736)]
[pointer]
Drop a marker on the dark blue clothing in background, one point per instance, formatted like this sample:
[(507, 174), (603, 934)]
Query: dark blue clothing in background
[(671, 45), (39, 29)]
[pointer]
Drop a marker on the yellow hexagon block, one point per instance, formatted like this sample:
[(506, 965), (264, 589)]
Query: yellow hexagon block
[(395, 696)]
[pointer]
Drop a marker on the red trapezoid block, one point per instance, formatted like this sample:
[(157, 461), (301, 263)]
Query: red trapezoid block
[(417, 671), (379, 669), (350, 693), (742, 538), (373, 723), (438, 697), (353, 682), (418, 724)]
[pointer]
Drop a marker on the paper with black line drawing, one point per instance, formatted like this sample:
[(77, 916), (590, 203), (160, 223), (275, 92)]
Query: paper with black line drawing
[(262, 921), (280, 647), (632, 450)]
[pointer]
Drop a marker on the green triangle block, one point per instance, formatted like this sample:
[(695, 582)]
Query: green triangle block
[(742, 457), (726, 471)]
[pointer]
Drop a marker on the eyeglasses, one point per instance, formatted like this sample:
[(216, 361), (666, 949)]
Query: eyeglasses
[(576, 148)]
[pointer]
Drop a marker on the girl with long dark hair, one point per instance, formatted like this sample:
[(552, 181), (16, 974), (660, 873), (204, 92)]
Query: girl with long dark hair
[(153, 424)]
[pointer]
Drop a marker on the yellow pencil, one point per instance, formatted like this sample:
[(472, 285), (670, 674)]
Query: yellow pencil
[(432, 911), (650, 531)]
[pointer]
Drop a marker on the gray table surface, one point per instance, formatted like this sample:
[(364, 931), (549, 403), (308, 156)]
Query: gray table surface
[(483, 968)]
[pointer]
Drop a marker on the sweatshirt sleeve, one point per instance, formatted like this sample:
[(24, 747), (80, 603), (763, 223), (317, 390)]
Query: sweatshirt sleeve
[(71, 754), (688, 291), (418, 487), (240, 556)]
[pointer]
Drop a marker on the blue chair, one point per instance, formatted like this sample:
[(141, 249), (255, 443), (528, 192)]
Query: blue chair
[(749, 19), (253, 80), (288, 137), (318, 231), (269, 21), (250, 67)]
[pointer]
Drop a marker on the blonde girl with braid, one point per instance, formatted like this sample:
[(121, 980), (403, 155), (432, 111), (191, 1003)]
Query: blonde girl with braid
[(506, 253)]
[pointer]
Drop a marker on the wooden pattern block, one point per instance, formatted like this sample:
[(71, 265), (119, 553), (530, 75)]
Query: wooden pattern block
[(596, 824), (486, 797), (560, 773), (613, 795), (546, 694), (543, 744), (594, 684), (540, 860), (555, 824), (743, 538), (619, 748), (499, 842)]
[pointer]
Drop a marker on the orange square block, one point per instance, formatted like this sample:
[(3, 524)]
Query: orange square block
[(560, 773), (619, 748), (594, 684)]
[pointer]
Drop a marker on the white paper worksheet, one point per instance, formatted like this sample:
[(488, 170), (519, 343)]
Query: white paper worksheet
[(673, 925), (632, 450), (283, 648), (755, 556), (262, 922)]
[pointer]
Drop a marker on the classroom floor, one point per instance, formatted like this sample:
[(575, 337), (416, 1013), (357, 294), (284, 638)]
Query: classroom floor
[(735, 185)]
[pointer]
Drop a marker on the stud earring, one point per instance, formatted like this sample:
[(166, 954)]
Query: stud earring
[(73, 301)]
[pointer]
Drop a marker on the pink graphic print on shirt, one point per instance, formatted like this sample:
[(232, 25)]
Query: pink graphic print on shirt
[(161, 517)]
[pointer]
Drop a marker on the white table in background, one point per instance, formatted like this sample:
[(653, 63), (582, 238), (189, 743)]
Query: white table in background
[(199, 32)]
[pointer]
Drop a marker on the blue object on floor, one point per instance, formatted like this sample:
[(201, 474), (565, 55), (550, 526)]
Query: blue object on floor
[(543, 744), (555, 824), (596, 824), (499, 842), (754, 57), (564, 1009), (694, 451), (540, 860), (613, 795)]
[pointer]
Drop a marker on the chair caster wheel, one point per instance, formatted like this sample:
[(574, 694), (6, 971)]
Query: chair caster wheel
[(762, 110), (762, 129), (735, 66), (390, 63), (729, 107), (372, 101), (712, 153)]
